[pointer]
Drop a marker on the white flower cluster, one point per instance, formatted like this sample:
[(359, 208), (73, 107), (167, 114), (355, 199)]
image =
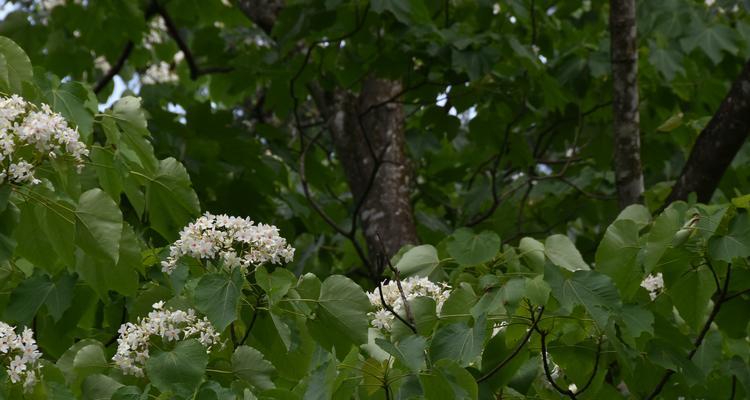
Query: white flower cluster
[(28, 135), (157, 30), (235, 242), (654, 284), (134, 340), (160, 72), (21, 354), (413, 287)]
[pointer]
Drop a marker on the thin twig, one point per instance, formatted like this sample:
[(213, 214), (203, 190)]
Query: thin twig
[(545, 364), (397, 276), (252, 321), (534, 321)]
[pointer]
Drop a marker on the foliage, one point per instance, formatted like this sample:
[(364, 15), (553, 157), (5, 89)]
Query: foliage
[(645, 306)]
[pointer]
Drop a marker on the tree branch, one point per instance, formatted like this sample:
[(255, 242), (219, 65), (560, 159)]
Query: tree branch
[(534, 322), (104, 81), (195, 70), (717, 144)]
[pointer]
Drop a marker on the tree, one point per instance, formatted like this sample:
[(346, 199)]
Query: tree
[(372, 200), (624, 43)]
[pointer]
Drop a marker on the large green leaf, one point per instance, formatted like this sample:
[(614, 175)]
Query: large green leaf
[(248, 364), (99, 387), (590, 289), (410, 351), (563, 253), (617, 256), (419, 261), (341, 318), (458, 342), (179, 370), (170, 200), (27, 298), (218, 296), (736, 243), (98, 225), (73, 100), (15, 67), (449, 381), (468, 248)]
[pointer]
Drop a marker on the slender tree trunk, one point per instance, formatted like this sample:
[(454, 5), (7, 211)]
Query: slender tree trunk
[(717, 144), (365, 127), (627, 141), (368, 134)]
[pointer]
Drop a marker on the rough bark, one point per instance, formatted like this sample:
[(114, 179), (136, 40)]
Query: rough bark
[(627, 142), (363, 131), (262, 12), (717, 144)]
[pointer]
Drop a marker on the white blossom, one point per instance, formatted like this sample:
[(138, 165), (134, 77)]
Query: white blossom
[(654, 284), (135, 339), (229, 241), (20, 355), (29, 135), (102, 64), (157, 31), (160, 72), (413, 287)]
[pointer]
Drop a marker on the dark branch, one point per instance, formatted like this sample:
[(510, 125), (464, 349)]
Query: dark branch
[(545, 364), (104, 81), (195, 70), (534, 321), (717, 144)]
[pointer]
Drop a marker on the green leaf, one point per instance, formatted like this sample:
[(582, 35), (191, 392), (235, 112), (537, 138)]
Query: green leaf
[(72, 99), (617, 256), (660, 238), (563, 253), (218, 296), (248, 364), (341, 319), (690, 293), (27, 298), (15, 67), (276, 284), (736, 243), (537, 290), (458, 342), (532, 252), (170, 200), (712, 40), (60, 297), (468, 248), (90, 359), (99, 387), (128, 108), (448, 380), (98, 225), (8, 221), (418, 261), (180, 370), (405, 11), (104, 275), (409, 351), (590, 289), (109, 178)]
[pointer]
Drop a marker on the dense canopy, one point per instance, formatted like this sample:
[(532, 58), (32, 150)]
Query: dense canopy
[(374, 199)]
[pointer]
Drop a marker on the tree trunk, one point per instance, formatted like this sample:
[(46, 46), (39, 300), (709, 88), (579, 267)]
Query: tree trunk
[(364, 128), (627, 141), (717, 144), (369, 134)]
